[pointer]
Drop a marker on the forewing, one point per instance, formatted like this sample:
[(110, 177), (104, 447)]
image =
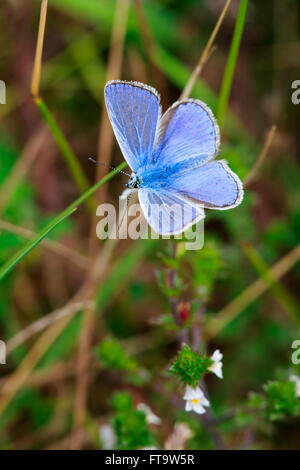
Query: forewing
[(133, 109), (212, 185), (188, 130), (167, 213)]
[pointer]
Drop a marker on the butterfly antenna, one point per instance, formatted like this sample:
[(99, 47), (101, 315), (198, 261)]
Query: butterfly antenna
[(108, 166)]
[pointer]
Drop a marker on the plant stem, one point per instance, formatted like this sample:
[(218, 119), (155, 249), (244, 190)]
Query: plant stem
[(68, 154), (231, 62), (36, 75), (256, 167), (12, 262), (205, 54)]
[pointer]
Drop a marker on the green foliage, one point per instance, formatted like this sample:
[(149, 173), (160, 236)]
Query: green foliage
[(41, 409), (207, 265), (112, 356), (163, 283), (278, 402), (29, 402), (189, 367), (281, 400), (130, 424)]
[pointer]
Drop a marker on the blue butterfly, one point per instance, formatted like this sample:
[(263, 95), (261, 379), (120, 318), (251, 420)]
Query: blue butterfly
[(171, 156)]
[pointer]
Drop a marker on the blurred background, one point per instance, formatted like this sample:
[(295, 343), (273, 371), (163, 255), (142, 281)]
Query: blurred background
[(86, 342)]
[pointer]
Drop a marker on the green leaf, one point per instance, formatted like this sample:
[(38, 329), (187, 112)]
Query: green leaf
[(112, 356), (207, 265), (231, 62), (189, 366), (130, 424), (282, 400)]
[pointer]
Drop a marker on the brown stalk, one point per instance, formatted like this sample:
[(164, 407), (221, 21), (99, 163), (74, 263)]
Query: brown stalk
[(208, 50), (256, 167), (205, 54), (51, 245), (250, 294), (104, 155), (20, 376), (114, 66), (36, 76), (42, 377), (149, 43), (44, 323)]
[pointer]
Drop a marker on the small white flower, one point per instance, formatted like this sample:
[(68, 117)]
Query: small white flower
[(195, 400), (296, 379), (216, 367), (151, 418), (107, 437)]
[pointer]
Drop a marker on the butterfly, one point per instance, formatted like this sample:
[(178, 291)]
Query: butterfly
[(171, 156)]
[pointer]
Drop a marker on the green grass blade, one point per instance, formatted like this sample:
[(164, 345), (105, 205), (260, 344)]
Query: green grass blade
[(68, 154), (96, 186), (11, 263), (231, 62)]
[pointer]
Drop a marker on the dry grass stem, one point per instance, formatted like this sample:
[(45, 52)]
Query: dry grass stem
[(36, 76), (250, 294), (56, 247), (256, 167), (205, 54), (104, 155), (44, 322)]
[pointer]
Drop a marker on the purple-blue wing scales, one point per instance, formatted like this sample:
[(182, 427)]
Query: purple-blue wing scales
[(167, 213), (188, 130), (212, 185), (134, 110)]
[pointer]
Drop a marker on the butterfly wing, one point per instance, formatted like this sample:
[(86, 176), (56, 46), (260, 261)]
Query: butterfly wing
[(212, 185), (167, 213), (133, 109), (187, 139), (188, 130)]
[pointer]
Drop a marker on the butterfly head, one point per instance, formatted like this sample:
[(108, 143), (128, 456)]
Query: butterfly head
[(135, 182)]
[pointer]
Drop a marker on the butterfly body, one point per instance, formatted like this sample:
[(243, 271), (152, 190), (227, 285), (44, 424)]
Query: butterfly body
[(156, 176), (171, 157), (135, 181)]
